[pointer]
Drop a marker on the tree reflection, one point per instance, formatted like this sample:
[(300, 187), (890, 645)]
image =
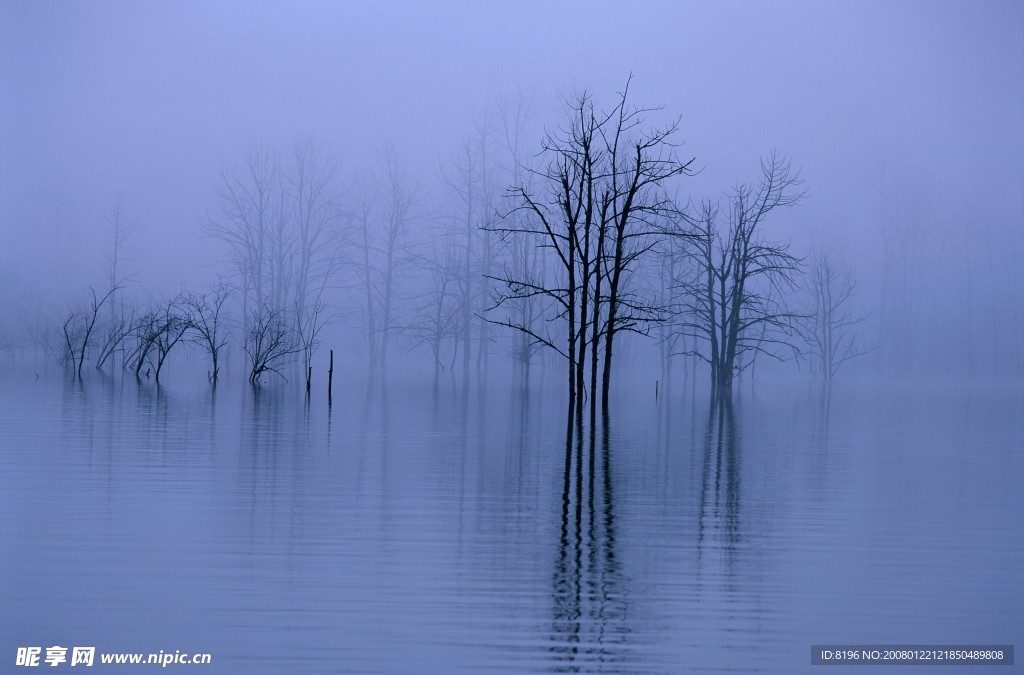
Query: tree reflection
[(589, 599), (720, 482)]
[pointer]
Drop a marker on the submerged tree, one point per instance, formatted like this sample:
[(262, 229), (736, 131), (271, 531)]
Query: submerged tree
[(308, 324), (733, 299), (79, 328), (206, 319), (269, 344), (173, 322), (597, 212), (115, 331), (145, 331), (156, 332)]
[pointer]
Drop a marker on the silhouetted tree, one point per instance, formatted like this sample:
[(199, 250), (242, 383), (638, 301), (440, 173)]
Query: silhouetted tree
[(269, 344), (116, 329), (173, 324), (156, 332), (79, 328), (597, 211), (733, 300), (206, 318), (145, 331)]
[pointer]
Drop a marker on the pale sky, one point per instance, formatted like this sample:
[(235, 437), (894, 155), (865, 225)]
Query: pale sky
[(151, 99)]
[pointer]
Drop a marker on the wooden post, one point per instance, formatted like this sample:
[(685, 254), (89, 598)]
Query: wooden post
[(330, 378)]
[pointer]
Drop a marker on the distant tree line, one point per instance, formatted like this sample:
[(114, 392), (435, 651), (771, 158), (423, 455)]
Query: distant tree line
[(548, 253), (558, 246)]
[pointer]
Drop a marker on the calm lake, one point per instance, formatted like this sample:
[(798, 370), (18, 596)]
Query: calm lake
[(414, 529)]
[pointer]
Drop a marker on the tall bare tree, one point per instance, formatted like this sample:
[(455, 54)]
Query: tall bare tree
[(116, 327), (463, 179), (383, 214), (597, 212), (312, 190), (734, 298), (121, 230), (251, 206), (365, 199), (436, 312)]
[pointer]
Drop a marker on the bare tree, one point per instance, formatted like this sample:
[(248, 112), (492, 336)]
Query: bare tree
[(121, 230), (72, 336), (634, 208), (400, 194), (435, 316), (173, 324), (116, 330), (597, 214), (470, 177), (251, 206), (206, 319), (462, 178), (269, 343), (308, 324), (489, 242), (666, 272), (79, 328), (522, 258), (383, 213), (311, 186), (830, 325), (145, 332), (156, 332), (526, 262), (734, 296), (366, 192)]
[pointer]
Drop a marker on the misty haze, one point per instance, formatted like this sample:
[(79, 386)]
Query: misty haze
[(452, 337)]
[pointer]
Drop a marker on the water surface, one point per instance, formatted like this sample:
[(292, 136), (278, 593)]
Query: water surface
[(414, 529)]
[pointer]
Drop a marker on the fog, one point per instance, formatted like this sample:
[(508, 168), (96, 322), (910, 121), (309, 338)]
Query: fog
[(294, 299), (903, 120)]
